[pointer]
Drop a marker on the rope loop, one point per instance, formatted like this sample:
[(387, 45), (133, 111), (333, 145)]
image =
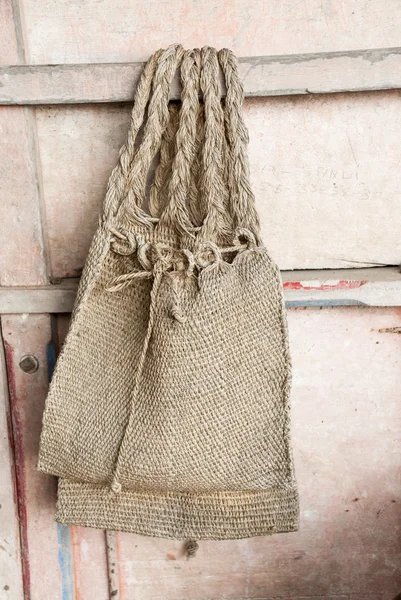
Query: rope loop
[(143, 248), (123, 242), (208, 254), (245, 236)]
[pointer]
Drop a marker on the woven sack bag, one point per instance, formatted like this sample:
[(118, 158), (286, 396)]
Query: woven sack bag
[(168, 412)]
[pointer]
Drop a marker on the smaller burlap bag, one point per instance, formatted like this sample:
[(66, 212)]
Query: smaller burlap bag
[(168, 412)]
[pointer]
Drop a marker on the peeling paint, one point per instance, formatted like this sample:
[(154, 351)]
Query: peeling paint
[(344, 284), (19, 469)]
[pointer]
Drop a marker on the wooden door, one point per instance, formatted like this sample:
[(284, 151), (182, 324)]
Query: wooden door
[(324, 112)]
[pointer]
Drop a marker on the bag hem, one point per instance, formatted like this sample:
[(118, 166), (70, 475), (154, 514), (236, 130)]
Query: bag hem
[(218, 515)]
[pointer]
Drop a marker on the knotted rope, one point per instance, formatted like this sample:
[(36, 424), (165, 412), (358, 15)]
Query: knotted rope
[(176, 264)]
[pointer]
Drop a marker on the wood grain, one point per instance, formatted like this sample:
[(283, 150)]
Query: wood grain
[(129, 30), (10, 549), (21, 249), (36, 491), (22, 259), (319, 73)]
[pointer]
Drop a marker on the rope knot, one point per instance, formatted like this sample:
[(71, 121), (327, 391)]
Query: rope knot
[(208, 254), (245, 237), (116, 487)]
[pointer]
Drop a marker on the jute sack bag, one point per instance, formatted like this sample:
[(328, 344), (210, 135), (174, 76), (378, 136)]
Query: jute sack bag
[(168, 412)]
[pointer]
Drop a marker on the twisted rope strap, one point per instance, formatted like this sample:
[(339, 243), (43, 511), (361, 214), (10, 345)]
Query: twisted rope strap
[(217, 224), (242, 199), (176, 215), (157, 120), (117, 183), (159, 189)]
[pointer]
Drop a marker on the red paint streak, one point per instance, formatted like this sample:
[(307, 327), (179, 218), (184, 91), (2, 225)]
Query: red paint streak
[(121, 585), (344, 284), (17, 445), (11, 446)]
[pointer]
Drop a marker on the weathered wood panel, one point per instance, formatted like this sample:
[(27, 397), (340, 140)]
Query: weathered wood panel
[(261, 76), (325, 193), (349, 481), (59, 562), (9, 48), (36, 492), (21, 245), (326, 177), (10, 550), (79, 149), (129, 30), (346, 423)]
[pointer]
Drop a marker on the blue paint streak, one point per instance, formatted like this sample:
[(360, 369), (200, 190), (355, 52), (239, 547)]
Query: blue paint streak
[(322, 302), (63, 531), (64, 559), (51, 359)]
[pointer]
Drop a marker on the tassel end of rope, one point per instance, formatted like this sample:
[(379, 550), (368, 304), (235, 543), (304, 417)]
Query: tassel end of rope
[(116, 487)]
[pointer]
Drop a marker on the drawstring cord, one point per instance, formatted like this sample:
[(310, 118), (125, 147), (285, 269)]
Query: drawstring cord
[(163, 265), (171, 261), (158, 274)]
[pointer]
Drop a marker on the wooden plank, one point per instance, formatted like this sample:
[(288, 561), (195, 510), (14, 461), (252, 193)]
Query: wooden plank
[(36, 491), (324, 193), (320, 73), (324, 173), (112, 564), (9, 47), (22, 249), (129, 30), (75, 558), (74, 136), (346, 427), (368, 287), (10, 553)]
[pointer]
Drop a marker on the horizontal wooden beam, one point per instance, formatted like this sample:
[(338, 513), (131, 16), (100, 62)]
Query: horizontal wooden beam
[(320, 73), (346, 287)]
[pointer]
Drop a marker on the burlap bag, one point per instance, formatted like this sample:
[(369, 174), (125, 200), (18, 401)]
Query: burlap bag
[(168, 412)]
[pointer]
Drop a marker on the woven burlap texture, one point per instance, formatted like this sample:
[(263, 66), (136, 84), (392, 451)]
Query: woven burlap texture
[(168, 413)]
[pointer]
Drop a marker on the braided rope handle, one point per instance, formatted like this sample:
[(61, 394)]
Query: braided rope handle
[(201, 185), (214, 193), (176, 213), (117, 182), (156, 123), (196, 208), (242, 198), (158, 197)]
